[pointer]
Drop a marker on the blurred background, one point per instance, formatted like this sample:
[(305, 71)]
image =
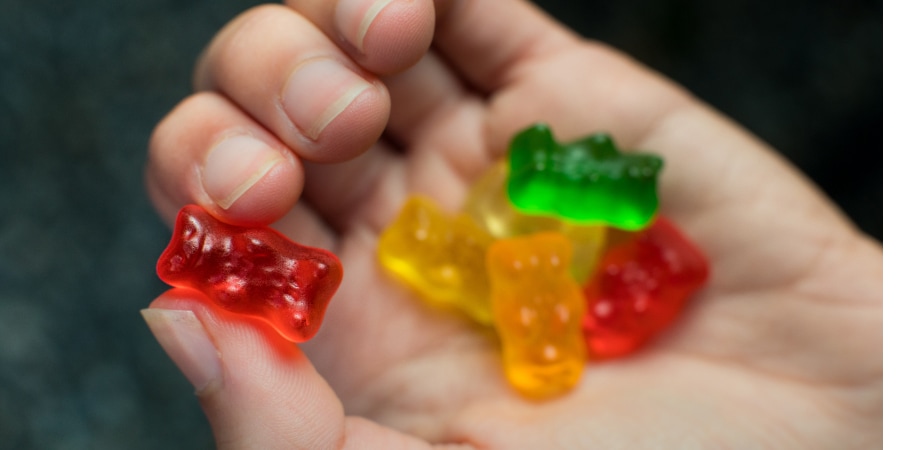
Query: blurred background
[(82, 84)]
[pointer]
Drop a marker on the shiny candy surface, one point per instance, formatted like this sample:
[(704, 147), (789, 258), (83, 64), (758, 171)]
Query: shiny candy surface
[(256, 272), (560, 249), (585, 181), (442, 257), (639, 288), (489, 206), (538, 308)]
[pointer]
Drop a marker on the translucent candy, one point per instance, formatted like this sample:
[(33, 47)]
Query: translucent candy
[(538, 309), (585, 181), (440, 256), (639, 288), (489, 206), (256, 272)]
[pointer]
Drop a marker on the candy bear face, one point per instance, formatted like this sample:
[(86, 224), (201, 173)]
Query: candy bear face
[(440, 256), (538, 308), (530, 261), (252, 271)]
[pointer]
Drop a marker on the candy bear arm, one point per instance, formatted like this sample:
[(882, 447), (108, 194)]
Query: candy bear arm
[(639, 288), (489, 207), (538, 308), (440, 257), (255, 272), (587, 181)]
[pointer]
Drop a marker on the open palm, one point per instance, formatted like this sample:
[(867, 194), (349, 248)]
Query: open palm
[(782, 349)]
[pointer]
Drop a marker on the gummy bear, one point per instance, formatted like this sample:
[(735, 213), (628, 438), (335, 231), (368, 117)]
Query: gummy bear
[(439, 256), (586, 181), (639, 288), (489, 206), (256, 272), (538, 308)]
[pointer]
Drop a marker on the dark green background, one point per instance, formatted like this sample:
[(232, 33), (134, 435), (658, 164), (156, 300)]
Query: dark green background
[(83, 83)]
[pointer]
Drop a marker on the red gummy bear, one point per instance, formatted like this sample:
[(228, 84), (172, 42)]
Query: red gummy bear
[(639, 288), (256, 272)]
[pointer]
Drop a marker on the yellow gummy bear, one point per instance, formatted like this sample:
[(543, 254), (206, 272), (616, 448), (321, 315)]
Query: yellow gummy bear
[(488, 204), (441, 257), (538, 308)]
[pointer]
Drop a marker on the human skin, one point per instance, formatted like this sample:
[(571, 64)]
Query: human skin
[(782, 349)]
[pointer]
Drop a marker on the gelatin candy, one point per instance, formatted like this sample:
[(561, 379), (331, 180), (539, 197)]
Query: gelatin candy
[(639, 288), (256, 272), (538, 308), (586, 181), (489, 206), (439, 256)]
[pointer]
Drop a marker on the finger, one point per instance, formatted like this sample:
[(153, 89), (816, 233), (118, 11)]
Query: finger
[(383, 36), (277, 66), (488, 42), (440, 123), (257, 390), (437, 122), (420, 97), (366, 190), (209, 152)]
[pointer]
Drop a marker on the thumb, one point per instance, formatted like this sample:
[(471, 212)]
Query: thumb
[(257, 389)]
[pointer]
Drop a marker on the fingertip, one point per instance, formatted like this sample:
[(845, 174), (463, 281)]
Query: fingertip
[(250, 183), (388, 36), (183, 337), (226, 329), (255, 387), (317, 92), (208, 152), (350, 127)]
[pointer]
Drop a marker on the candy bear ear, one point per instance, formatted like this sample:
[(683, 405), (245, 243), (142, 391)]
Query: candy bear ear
[(501, 261), (535, 139), (417, 218), (187, 240)]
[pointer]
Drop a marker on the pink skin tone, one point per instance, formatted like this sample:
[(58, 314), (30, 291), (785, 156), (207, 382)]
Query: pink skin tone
[(425, 106)]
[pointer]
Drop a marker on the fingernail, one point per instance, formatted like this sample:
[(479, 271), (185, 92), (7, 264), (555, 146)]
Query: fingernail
[(317, 92), (355, 16), (185, 340), (234, 165)]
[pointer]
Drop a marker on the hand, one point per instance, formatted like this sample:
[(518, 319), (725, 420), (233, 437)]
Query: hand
[(781, 350)]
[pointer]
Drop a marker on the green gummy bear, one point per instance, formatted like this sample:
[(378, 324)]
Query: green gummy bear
[(587, 181)]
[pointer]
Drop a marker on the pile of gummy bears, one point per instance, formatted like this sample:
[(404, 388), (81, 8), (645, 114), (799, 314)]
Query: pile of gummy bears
[(560, 249)]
